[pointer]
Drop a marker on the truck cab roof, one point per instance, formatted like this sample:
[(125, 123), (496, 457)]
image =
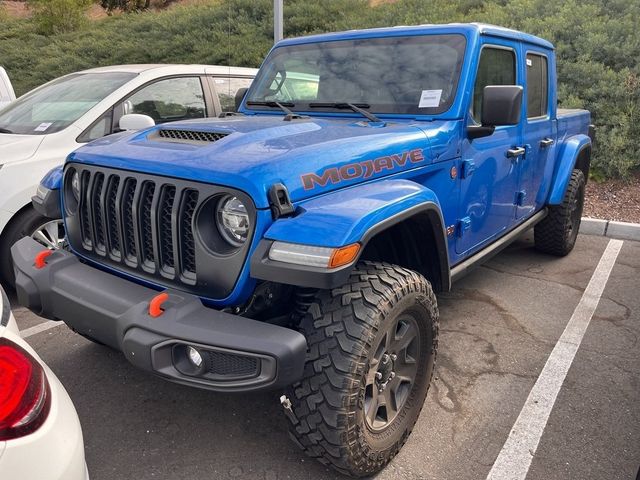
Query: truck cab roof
[(467, 29)]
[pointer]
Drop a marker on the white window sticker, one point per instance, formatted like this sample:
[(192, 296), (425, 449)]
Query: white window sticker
[(42, 127), (529, 62), (219, 80), (430, 98)]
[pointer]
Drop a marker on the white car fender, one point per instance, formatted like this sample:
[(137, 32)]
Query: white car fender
[(20, 179)]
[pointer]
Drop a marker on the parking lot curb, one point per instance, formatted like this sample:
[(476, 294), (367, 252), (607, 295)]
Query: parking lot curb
[(610, 228)]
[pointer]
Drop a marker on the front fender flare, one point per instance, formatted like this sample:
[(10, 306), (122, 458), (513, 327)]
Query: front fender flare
[(567, 157), (344, 217)]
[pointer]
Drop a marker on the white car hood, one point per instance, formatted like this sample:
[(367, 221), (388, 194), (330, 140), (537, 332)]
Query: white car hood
[(14, 148)]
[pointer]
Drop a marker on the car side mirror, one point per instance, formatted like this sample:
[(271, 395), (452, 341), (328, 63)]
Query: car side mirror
[(136, 121), (501, 105), (239, 97)]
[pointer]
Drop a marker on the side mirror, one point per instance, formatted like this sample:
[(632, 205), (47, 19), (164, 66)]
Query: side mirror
[(501, 105), (239, 97), (135, 121)]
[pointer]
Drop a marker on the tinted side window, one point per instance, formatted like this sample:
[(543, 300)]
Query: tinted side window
[(169, 100), (537, 86), (226, 88), (497, 67)]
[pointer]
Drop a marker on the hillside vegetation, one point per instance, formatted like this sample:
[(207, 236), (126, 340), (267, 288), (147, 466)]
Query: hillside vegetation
[(597, 43)]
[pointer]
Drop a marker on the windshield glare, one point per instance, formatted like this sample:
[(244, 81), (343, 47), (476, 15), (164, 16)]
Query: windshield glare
[(60, 103), (401, 75)]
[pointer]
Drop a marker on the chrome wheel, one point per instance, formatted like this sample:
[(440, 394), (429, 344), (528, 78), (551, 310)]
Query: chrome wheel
[(51, 235)]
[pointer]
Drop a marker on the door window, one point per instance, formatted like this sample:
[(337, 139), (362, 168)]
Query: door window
[(537, 86), (227, 87), (497, 67), (170, 100)]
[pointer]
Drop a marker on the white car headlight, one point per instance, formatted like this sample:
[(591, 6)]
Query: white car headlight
[(233, 220)]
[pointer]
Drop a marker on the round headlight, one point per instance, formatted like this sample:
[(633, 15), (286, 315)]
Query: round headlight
[(75, 186), (233, 220)]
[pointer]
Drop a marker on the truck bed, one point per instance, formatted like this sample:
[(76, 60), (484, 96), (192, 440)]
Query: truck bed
[(572, 121)]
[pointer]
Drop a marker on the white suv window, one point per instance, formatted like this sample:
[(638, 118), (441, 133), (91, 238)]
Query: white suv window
[(169, 100), (227, 87)]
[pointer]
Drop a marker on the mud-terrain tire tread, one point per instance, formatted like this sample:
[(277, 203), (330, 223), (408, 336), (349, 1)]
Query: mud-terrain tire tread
[(340, 327), (551, 234)]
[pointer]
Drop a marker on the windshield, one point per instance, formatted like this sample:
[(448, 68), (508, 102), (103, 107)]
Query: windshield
[(60, 103), (395, 75)]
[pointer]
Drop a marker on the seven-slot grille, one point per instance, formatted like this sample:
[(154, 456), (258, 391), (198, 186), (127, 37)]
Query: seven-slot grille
[(154, 228), (140, 222)]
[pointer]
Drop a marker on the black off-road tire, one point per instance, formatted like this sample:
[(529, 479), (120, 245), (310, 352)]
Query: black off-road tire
[(22, 225), (346, 328), (557, 233)]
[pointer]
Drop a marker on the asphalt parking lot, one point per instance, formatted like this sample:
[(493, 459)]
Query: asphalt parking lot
[(498, 327)]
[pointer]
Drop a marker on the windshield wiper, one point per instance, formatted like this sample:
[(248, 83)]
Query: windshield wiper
[(358, 108), (5, 130), (290, 115)]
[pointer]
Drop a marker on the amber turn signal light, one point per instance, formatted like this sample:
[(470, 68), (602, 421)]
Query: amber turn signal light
[(344, 255)]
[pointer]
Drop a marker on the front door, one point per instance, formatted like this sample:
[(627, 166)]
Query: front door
[(489, 178)]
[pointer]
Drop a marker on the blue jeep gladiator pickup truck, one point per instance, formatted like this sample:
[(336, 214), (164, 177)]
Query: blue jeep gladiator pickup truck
[(297, 244)]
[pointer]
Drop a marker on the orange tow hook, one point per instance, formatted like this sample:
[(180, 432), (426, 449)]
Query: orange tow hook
[(155, 304), (41, 258)]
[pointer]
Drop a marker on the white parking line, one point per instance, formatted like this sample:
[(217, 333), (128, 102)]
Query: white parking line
[(515, 458), (41, 327)]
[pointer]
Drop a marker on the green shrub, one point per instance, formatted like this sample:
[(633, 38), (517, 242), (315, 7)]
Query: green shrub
[(58, 16)]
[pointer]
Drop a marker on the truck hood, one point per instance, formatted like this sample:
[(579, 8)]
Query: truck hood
[(309, 156), (14, 148)]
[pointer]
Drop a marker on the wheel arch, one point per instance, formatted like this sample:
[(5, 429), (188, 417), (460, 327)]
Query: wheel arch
[(575, 153), (380, 216), (414, 239)]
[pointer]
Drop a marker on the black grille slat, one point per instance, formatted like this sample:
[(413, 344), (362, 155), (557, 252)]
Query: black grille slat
[(165, 229), (85, 202), (97, 203), (127, 223), (191, 135), (145, 227), (185, 236), (111, 216)]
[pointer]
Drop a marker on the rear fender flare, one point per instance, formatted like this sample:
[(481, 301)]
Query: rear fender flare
[(567, 157)]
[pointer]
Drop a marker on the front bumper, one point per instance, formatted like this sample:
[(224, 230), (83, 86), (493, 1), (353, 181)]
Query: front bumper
[(239, 354)]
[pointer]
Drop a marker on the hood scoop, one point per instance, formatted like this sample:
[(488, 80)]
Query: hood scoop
[(192, 137)]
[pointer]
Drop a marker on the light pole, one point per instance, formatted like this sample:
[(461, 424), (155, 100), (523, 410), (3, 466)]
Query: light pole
[(278, 21)]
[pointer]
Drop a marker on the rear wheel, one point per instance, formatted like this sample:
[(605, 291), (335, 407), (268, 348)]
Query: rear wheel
[(28, 223), (371, 351), (557, 233)]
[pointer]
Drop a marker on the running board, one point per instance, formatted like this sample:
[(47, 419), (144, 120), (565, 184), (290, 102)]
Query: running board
[(464, 267)]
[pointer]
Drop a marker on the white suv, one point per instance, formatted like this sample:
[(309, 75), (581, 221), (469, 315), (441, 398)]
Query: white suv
[(41, 128)]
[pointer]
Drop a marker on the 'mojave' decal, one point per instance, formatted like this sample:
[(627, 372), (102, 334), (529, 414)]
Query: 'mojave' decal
[(364, 169)]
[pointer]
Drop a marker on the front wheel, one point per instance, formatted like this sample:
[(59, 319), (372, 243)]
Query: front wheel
[(371, 351), (28, 223)]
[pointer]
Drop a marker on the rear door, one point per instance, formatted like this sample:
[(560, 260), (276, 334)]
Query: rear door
[(539, 131), (489, 179)]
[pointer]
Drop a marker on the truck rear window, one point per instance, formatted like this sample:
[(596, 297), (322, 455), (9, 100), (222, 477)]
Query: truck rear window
[(401, 75)]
